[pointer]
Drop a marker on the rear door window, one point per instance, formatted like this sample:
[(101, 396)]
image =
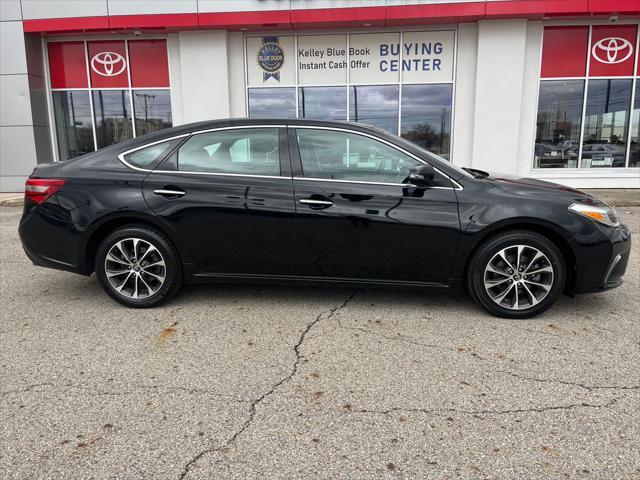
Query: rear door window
[(248, 151)]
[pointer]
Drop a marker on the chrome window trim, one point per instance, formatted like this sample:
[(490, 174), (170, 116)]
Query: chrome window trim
[(312, 127), (190, 134), (186, 172), (381, 140), (133, 150), (373, 183)]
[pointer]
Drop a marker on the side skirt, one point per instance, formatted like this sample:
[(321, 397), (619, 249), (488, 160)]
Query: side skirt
[(289, 279)]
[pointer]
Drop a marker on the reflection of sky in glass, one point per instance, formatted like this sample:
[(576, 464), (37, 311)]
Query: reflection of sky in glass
[(323, 103), (73, 123), (375, 105), (113, 116), (426, 116), (152, 109), (272, 103)]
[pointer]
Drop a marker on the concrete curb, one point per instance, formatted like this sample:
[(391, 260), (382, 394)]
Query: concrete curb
[(619, 197), (12, 201)]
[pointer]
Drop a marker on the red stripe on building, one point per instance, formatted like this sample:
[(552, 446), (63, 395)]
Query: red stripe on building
[(236, 20), (170, 20), (445, 13), (615, 6), (341, 17), (71, 24)]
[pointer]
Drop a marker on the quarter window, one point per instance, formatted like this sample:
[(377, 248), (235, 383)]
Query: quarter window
[(249, 151), (337, 155), (150, 156)]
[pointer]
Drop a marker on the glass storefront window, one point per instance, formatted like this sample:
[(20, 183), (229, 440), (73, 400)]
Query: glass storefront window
[(112, 111), (376, 105), (74, 132), (426, 116), (152, 110), (272, 102), (322, 103), (134, 88), (634, 148), (606, 122), (558, 123)]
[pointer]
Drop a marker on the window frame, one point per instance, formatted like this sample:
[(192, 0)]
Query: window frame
[(283, 153), (298, 171), (278, 131)]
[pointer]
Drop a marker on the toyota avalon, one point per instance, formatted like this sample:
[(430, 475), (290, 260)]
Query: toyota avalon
[(311, 202)]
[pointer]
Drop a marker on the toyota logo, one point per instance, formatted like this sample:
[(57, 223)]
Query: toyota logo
[(108, 64), (612, 50)]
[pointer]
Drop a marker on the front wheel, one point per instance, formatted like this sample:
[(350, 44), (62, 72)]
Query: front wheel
[(516, 274), (138, 267)]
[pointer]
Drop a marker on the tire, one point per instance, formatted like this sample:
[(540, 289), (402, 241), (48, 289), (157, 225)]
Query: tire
[(534, 287), (151, 276)]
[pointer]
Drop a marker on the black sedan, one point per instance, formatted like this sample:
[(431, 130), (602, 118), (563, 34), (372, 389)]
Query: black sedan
[(314, 203)]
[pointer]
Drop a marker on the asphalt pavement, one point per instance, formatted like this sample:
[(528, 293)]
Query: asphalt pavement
[(287, 382)]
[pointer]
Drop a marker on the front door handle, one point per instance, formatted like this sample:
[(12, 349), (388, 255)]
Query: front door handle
[(315, 203), (170, 191)]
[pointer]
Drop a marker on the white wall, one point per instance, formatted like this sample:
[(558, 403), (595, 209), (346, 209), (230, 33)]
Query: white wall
[(498, 99), (235, 59), (199, 76), (465, 94)]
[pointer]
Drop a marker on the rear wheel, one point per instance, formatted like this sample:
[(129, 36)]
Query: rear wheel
[(517, 274), (138, 267)]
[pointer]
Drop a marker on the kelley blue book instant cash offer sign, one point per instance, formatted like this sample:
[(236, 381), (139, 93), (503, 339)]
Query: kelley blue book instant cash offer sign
[(423, 57)]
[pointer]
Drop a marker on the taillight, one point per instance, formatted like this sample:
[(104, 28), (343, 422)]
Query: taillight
[(39, 189)]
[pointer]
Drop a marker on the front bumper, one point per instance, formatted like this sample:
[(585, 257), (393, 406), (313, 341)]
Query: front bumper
[(606, 273)]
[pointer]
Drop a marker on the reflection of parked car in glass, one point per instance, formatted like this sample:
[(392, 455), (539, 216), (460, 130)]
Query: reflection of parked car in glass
[(602, 155), (549, 155)]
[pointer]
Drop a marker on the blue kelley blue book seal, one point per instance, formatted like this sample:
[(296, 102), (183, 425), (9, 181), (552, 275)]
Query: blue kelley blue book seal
[(270, 58)]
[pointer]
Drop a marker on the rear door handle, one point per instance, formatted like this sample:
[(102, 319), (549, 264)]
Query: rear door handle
[(170, 192), (315, 203)]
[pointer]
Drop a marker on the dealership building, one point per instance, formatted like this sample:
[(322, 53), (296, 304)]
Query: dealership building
[(540, 88)]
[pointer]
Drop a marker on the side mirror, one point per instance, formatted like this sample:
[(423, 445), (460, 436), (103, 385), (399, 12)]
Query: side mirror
[(421, 175)]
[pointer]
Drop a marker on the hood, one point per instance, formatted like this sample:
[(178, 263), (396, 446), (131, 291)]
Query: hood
[(539, 189)]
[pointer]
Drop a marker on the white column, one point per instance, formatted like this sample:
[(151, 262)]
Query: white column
[(465, 95), (499, 94), (199, 76)]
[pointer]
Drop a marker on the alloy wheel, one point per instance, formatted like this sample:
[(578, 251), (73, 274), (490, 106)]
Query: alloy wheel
[(135, 268), (518, 277)]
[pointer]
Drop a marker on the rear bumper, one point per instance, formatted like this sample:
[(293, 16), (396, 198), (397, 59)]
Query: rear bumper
[(607, 274), (48, 238)]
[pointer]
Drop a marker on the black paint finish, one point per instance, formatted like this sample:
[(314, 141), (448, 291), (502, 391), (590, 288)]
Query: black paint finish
[(255, 228)]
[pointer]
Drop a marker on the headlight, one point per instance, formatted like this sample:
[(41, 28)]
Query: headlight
[(605, 215)]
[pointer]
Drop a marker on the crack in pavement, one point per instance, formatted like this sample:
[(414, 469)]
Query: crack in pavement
[(403, 338), (436, 411), (575, 384), (327, 314)]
